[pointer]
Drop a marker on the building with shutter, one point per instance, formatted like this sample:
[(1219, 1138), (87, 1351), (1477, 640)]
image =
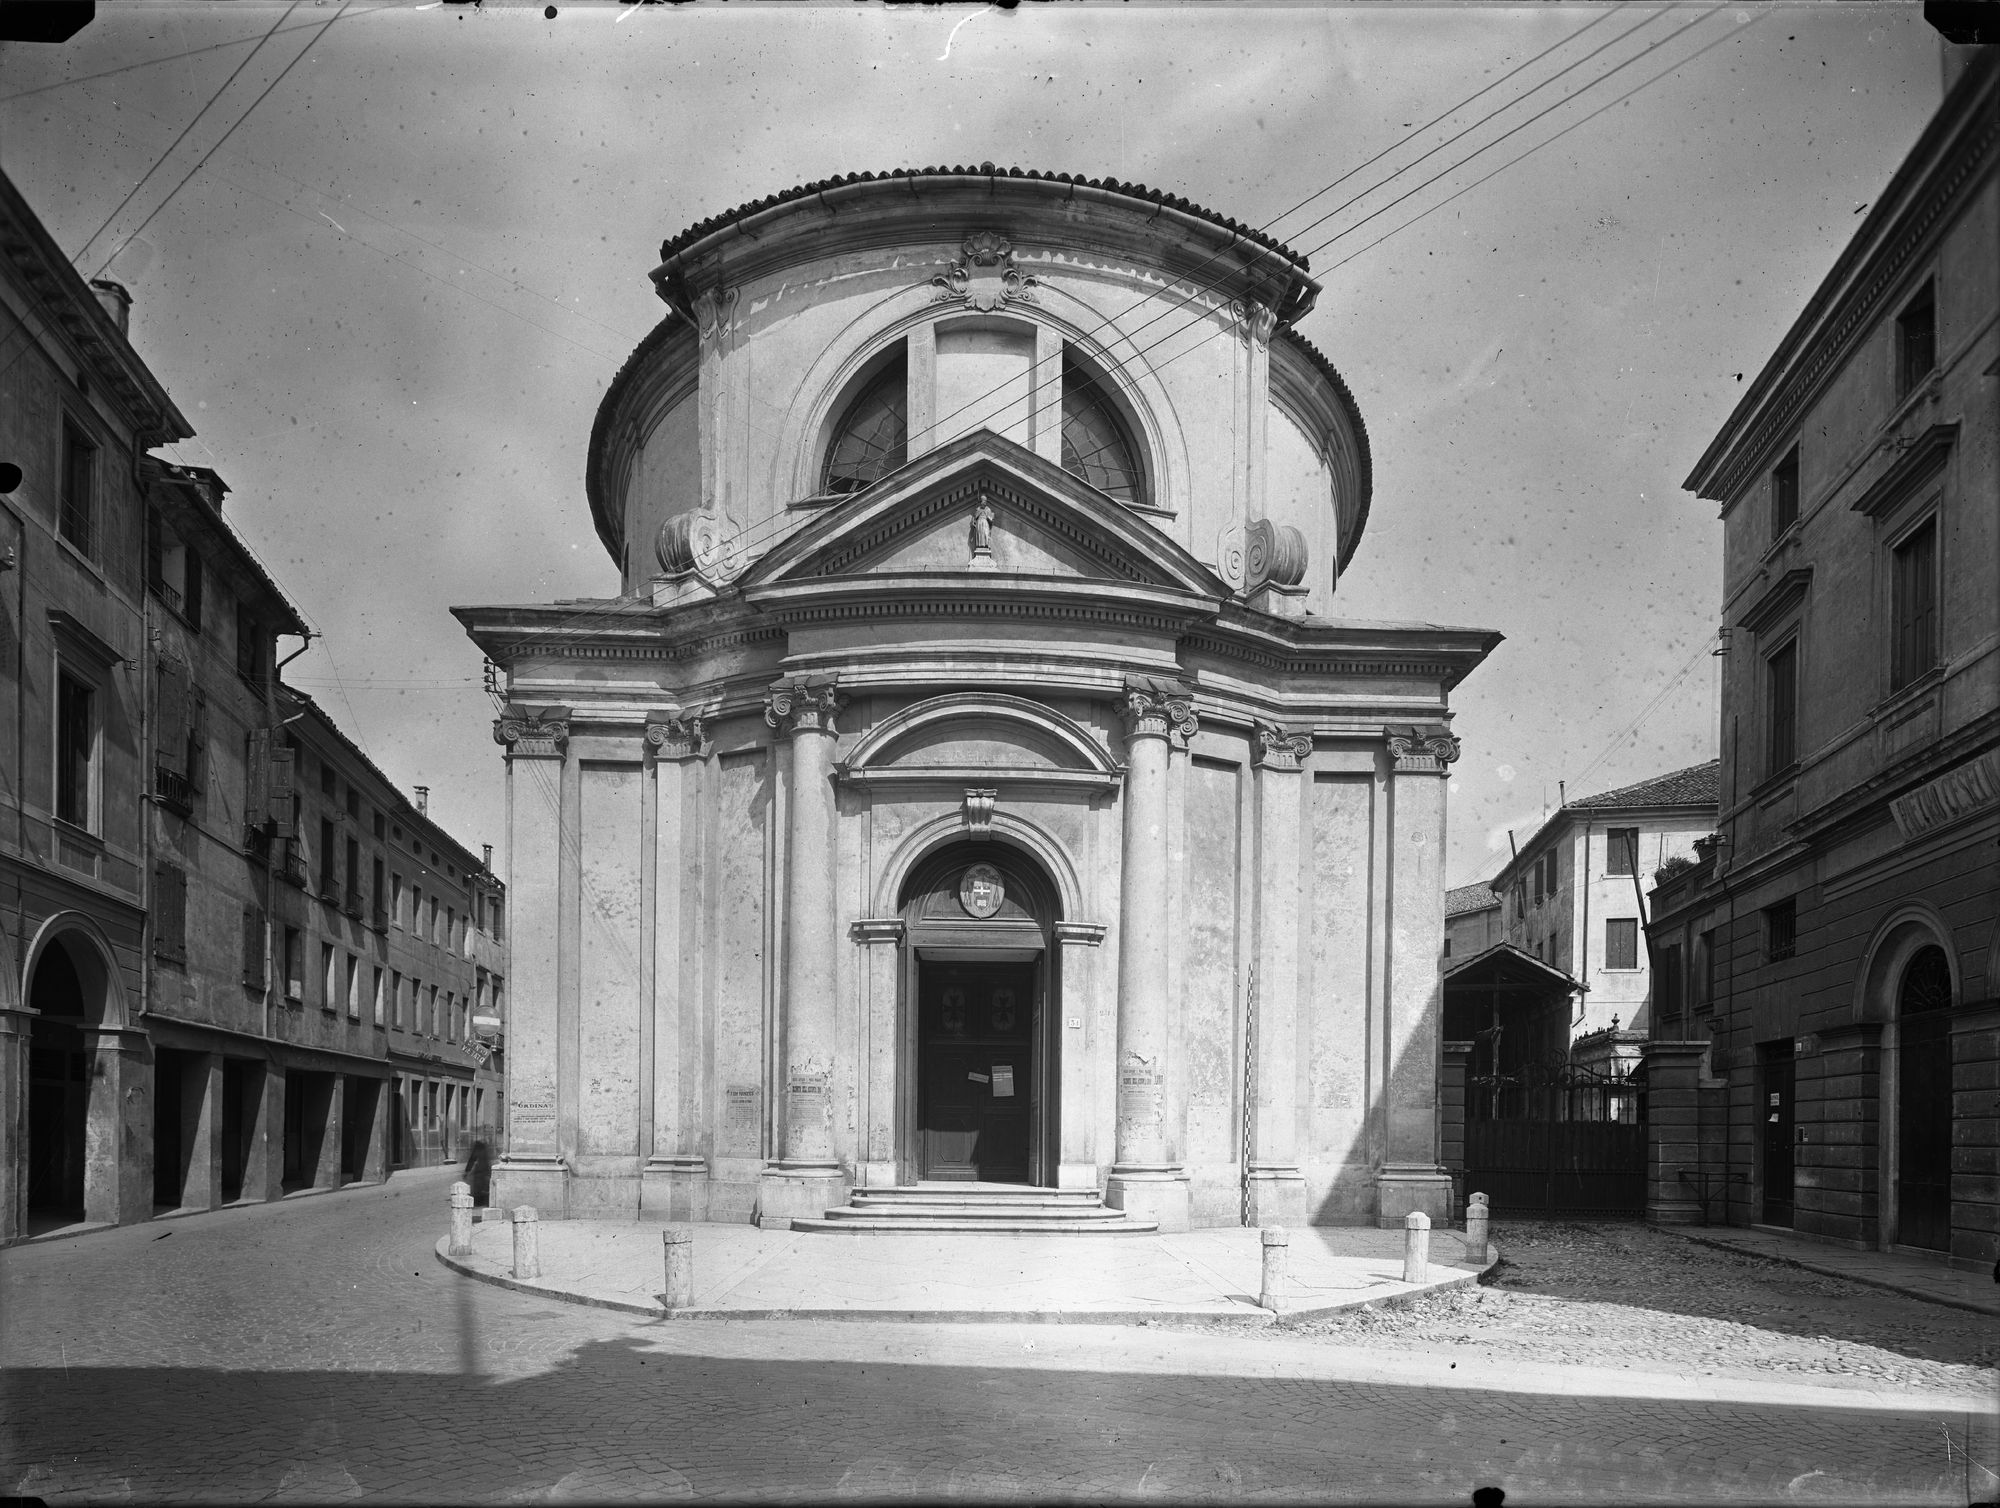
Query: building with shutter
[(1573, 896), (153, 858), (1826, 1060), (973, 779)]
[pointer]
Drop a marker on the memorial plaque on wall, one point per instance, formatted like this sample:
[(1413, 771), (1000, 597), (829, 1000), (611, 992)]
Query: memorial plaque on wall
[(740, 1116)]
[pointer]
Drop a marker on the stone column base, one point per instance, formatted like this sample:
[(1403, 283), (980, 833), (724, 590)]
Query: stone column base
[(674, 1188), (1278, 1198), (539, 1181), (784, 1195), (1148, 1195), (1402, 1189)]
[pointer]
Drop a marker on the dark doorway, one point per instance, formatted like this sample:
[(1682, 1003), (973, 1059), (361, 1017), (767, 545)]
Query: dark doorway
[(170, 1145), (399, 1151), (357, 1124), (977, 1085), (1923, 1102), (239, 1118), (308, 1107), (59, 1084), (1774, 1082)]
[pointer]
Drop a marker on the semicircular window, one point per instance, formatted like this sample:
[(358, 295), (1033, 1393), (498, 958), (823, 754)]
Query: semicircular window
[(1095, 443), (872, 438)]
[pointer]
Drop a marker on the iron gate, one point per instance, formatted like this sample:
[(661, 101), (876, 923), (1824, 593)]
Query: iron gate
[(1558, 1141)]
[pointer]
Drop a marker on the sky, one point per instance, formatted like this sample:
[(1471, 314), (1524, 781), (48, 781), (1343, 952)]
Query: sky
[(390, 295)]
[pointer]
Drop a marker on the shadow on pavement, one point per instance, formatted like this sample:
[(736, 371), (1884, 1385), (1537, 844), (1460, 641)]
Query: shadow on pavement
[(620, 1418)]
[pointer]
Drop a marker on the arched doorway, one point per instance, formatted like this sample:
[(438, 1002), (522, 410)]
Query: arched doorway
[(65, 1089), (981, 1001), (1923, 1101)]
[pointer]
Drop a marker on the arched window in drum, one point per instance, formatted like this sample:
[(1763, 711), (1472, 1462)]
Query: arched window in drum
[(1095, 442), (872, 438)]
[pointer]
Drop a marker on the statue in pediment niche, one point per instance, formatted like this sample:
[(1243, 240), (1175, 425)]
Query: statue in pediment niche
[(982, 529)]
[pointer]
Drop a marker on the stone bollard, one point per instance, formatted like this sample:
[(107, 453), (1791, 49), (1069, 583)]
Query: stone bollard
[(1416, 1246), (1277, 1242), (679, 1243), (461, 1219), (527, 1254), (1475, 1229)]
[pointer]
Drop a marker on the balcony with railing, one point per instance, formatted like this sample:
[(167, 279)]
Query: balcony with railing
[(174, 790), (167, 593), (292, 868), (350, 902)]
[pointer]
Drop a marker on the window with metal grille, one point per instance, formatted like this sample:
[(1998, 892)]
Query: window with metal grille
[(1621, 850), (78, 520), (1095, 442), (76, 751), (1781, 930), (169, 910), (1781, 708), (1621, 943), (1913, 605), (1916, 340), (872, 438), (1785, 493)]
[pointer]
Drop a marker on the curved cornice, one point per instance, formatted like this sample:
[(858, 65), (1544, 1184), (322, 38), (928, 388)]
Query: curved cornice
[(1043, 721)]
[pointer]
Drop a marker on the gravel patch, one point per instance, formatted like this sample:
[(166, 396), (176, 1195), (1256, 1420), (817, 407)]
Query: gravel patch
[(1613, 1295)]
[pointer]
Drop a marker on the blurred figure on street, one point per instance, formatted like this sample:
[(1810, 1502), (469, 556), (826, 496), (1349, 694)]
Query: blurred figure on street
[(479, 1173)]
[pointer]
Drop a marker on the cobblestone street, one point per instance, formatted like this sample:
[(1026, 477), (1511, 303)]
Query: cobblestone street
[(315, 1350)]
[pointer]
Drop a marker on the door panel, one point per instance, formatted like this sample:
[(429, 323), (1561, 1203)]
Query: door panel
[(976, 1082), (1777, 1082)]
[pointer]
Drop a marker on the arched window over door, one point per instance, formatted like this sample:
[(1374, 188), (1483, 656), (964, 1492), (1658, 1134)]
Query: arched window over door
[(1923, 1101), (872, 438)]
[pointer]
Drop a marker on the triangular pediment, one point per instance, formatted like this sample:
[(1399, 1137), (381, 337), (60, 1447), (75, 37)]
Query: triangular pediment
[(983, 505)]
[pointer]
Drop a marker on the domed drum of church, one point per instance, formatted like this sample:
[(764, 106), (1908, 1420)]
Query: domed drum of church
[(973, 790)]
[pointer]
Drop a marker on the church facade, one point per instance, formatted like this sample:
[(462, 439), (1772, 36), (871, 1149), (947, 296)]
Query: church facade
[(974, 779)]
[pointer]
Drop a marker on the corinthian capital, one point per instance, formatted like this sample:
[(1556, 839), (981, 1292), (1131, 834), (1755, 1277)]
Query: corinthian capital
[(1279, 748), (1157, 707), (540, 731), (675, 735), (1418, 751), (803, 704)]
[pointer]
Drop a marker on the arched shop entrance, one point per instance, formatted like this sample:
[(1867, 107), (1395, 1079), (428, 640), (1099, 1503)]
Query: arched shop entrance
[(72, 1105)]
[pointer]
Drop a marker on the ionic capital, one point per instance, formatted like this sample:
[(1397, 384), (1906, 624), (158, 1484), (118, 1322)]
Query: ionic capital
[(1419, 751), (1279, 748), (532, 731), (1157, 707), (803, 704), (675, 735)]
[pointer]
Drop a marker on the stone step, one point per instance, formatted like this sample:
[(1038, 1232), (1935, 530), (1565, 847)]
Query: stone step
[(1107, 1223), (1038, 1214), (921, 1198)]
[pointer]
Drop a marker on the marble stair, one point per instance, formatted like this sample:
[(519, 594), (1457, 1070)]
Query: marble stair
[(993, 1208)]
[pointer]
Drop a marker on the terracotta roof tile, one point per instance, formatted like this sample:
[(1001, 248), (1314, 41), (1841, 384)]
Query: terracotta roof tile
[(1697, 785), (983, 170), (1464, 898)]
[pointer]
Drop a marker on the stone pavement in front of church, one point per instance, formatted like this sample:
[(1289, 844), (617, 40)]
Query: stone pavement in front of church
[(741, 1272)]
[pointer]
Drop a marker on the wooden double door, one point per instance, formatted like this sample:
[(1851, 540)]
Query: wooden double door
[(980, 1097)]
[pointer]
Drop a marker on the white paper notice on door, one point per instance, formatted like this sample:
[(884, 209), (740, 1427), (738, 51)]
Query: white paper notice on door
[(1003, 1081), (977, 1078)]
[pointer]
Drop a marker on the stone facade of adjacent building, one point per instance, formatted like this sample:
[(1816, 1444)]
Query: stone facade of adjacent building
[(1826, 1058)]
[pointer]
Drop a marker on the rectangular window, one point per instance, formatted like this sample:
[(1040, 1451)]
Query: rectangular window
[(1667, 980), (379, 827), (1540, 892), (1706, 946), (353, 987), (191, 590), (396, 999), (254, 976), (1621, 850), (249, 646), (295, 965), (1916, 340), (76, 752), (354, 803), (380, 1004), (1781, 705), (1550, 860), (433, 1004), (498, 931), (329, 886), (396, 900), (450, 1016), (417, 910), (1621, 943), (1785, 493), (450, 929), (78, 522), (326, 782), (329, 977), (354, 877), (1781, 930), (1913, 590), (432, 933), (416, 1005), (170, 884)]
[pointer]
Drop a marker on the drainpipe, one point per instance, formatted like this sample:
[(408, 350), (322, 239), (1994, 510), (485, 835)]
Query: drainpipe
[(1583, 932)]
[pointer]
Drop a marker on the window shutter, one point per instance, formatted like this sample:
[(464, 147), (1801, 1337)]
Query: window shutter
[(256, 776), (170, 913), (281, 794), (253, 948), (170, 717), (191, 591)]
